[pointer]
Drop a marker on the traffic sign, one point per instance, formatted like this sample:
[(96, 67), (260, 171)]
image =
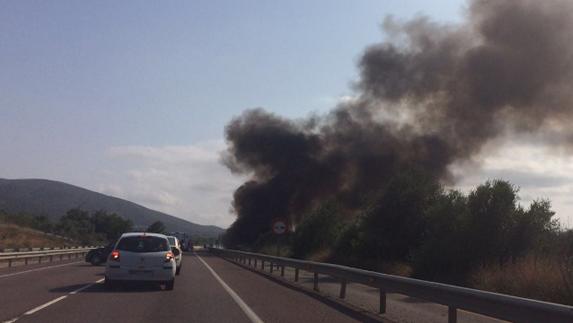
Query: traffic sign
[(279, 226)]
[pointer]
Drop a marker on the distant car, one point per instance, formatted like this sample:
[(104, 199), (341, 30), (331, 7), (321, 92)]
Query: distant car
[(141, 256), (185, 243), (99, 256), (176, 248)]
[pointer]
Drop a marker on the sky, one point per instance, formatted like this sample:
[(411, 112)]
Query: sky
[(131, 98)]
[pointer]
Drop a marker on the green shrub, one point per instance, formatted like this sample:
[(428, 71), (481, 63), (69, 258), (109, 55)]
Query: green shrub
[(319, 230)]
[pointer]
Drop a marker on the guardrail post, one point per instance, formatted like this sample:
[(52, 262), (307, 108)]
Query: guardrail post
[(282, 271), (9, 262), (39, 259), (61, 257), (342, 289), (255, 263), (272, 267), (25, 261), (51, 258), (316, 282), (452, 314), (382, 301), (262, 265), (296, 274), (249, 261)]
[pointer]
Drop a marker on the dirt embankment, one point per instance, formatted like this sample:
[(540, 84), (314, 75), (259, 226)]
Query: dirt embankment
[(13, 236)]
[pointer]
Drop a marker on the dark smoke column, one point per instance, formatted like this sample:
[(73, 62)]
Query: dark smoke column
[(430, 96)]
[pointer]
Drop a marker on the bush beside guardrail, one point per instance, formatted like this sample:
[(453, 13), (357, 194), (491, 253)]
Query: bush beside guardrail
[(505, 307)]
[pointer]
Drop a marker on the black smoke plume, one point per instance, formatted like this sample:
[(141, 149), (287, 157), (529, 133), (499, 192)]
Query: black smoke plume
[(429, 96)]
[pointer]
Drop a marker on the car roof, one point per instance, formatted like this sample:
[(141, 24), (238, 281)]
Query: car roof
[(138, 234), (172, 237)]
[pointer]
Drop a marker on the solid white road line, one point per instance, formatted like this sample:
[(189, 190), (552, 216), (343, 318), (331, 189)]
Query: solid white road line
[(246, 309), (54, 301), (38, 269)]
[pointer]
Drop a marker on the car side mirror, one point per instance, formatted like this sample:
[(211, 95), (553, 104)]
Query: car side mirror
[(175, 251)]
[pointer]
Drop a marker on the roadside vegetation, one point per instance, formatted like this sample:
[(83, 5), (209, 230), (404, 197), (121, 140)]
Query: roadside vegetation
[(77, 226), (156, 227), (14, 236), (415, 227)]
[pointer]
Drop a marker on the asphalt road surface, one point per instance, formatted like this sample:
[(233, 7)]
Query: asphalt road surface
[(209, 289)]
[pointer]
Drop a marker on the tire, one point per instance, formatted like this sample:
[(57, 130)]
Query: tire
[(170, 284), (95, 260), (108, 283), (178, 270)]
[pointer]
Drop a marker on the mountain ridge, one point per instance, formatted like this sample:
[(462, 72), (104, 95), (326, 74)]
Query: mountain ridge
[(53, 199)]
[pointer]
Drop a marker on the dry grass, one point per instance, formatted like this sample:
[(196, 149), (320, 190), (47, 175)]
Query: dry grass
[(397, 268), (392, 268), (530, 277), (271, 250), (13, 236), (322, 255)]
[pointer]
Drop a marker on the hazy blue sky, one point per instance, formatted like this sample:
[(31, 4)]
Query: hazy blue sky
[(130, 98)]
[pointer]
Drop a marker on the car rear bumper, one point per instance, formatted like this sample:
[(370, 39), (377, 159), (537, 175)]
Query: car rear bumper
[(147, 274)]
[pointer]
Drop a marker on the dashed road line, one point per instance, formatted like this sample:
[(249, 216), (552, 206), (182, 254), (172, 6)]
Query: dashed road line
[(54, 301), (38, 269)]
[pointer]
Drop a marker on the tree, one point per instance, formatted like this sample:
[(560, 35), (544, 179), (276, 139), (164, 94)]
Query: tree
[(493, 211), (319, 230), (77, 225), (441, 255), (110, 225), (156, 227), (394, 224), (533, 229)]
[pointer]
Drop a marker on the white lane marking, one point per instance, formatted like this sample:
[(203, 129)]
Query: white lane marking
[(38, 269), (54, 301), (87, 286), (246, 309)]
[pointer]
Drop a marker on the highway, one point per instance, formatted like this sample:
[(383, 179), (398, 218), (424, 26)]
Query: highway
[(209, 289)]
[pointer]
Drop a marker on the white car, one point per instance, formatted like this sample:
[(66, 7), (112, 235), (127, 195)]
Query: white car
[(176, 248), (141, 256)]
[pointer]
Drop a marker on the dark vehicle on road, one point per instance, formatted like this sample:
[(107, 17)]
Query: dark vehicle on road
[(99, 256)]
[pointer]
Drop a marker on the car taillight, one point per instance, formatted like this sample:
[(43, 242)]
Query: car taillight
[(169, 256), (114, 255)]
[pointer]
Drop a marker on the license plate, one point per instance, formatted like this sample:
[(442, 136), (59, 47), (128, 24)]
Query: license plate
[(141, 272)]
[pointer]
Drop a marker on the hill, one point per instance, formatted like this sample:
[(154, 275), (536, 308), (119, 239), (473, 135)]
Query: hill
[(53, 199)]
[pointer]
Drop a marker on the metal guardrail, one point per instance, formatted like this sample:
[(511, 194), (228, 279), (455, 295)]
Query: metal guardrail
[(500, 306), (50, 255), (24, 251), (8, 250)]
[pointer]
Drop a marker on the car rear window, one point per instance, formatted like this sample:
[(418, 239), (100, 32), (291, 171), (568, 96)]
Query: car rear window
[(143, 244), (171, 241)]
